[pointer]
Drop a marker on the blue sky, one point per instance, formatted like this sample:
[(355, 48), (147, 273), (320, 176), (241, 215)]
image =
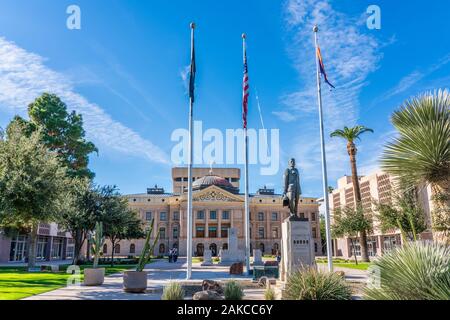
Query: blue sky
[(123, 71)]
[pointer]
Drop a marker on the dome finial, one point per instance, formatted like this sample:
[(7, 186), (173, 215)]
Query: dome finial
[(211, 167)]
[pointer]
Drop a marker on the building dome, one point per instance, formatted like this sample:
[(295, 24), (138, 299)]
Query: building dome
[(212, 180)]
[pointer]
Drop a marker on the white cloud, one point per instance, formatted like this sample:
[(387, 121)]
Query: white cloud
[(24, 76), (350, 56)]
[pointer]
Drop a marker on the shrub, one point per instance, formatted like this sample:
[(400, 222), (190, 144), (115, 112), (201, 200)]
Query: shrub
[(173, 291), (233, 291), (309, 284), (416, 271), (269, 294)]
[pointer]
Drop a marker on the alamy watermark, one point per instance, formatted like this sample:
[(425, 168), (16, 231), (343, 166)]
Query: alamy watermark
[(215, 146), (374, 19), (74, 20)]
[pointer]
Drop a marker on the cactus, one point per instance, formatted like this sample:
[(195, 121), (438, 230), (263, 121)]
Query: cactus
[(96, 242), (147, 251)]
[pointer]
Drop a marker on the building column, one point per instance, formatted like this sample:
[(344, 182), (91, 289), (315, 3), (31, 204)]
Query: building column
[(48, 249)]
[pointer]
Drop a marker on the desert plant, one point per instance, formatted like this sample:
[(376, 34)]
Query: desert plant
[(233, 291), (148, 249), (310, 284), (173, 291), (416, 271), (269, 294), (96, 242)]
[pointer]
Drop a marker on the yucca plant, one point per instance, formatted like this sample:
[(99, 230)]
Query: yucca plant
[(420, 154), (310, 284), (148, 249), (233, 291), (416, 271), (97, 240), (173, 291)]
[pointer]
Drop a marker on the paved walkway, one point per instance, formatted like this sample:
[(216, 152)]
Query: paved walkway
[(38, 263), (160, 273)]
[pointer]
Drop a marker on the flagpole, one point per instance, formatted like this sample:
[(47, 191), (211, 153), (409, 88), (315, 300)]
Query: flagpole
[(247, 212), (324, 161), (190, 161)]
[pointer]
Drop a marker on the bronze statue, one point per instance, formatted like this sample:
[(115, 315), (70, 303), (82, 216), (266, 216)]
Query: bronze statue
[(292, 189)]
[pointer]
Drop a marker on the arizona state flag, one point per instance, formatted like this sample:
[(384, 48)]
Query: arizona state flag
[(322, 67)]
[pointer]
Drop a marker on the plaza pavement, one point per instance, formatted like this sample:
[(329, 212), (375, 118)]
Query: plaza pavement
[(160, 273)]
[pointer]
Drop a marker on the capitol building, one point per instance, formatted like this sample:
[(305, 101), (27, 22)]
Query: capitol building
[(218, 206)]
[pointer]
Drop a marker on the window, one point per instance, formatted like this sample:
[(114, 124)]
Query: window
[(117, 249), (226, 215), (260, 216), (175, 232), (274, 216), (200, 215), (355, 246), (313, 216), (200, 232), (162, 216), (275, 233), (213, 215), (148, 216), (261, 232), (315, 247), (212, 232), (314, 232), (176, 216), (105, 248), (302, 215), (162, 248), (224, 232), (132, 248), (162, 233)]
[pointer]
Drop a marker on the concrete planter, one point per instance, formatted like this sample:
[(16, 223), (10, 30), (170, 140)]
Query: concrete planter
[(135, 281), (94, 277)]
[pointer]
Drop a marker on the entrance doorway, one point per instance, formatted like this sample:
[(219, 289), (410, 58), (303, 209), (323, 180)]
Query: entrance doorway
[(200, 249), (213, 248)]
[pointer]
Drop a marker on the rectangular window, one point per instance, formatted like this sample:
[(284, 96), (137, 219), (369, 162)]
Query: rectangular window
[(176, 216), (175, 233), (314, 232), (261, 232), (200, 232), (302, 215), (200, 215), (213, 215), (212, 232), (224, 232), (162, 233), (313, 216), (274, 216), (260, 216), (357, 248), (162, 216), (275, 233), (148, 216), (225, 215)]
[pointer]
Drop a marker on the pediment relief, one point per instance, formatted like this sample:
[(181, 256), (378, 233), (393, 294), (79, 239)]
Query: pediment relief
[(216, 194)]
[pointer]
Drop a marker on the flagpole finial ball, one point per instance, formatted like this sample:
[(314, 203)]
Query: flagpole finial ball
[(316, 28), (244, 36), (192, 25)]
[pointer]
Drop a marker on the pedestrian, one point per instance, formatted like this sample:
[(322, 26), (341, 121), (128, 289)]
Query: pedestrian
[(170, 256), (175, 254)]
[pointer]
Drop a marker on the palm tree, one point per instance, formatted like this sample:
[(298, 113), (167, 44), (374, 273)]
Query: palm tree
[(420, 155), (350, 135)]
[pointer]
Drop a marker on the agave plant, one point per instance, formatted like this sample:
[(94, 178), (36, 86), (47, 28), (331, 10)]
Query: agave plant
[(96, 242), (233, 291), (416, 271), (148, 249), (420, 154), (173, 291)]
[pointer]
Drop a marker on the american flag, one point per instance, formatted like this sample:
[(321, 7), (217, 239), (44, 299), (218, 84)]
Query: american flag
[(246, 92)]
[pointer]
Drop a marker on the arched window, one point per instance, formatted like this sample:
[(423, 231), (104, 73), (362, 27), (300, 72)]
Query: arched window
[(225, 246), (132, 248), (200, 249), (105, 248), (162, 248), (117, 248)]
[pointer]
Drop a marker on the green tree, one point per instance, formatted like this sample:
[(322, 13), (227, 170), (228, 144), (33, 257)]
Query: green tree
[(351, 135), (323, 233), (32, 184), (62, 132), (420, 154), (404, 213), (350, 222), (120, 222)]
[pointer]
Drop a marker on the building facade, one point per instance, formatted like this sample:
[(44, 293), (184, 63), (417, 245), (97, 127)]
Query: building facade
[(52, 244), (217, 206), (376, 187)]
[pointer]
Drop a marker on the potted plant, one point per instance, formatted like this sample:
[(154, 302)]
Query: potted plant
[(135, 281), (95, 276)]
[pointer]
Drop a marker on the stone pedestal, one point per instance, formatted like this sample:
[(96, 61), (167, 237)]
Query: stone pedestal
[(232, 254), (297, 247), (257, 258), (207, 258)]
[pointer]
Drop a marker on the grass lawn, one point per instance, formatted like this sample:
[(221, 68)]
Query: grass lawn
[(344, 264), (16, 283)]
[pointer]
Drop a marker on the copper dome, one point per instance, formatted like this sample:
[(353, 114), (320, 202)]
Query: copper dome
[(212, 180)]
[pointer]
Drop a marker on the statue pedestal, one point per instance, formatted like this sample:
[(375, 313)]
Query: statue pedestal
[(297, 247)]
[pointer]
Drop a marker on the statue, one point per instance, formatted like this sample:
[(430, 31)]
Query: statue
[(292, 189)]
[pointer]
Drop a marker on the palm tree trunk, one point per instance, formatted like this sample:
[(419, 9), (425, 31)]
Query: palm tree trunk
[(32, 248), (441, 211), (357, 191)]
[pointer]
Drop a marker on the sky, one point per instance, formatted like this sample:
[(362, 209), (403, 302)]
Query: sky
[(125, 72)]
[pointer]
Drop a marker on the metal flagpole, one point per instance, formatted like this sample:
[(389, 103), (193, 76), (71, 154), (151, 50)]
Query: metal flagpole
[(324, 161), (247, 213), (190, 161)]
